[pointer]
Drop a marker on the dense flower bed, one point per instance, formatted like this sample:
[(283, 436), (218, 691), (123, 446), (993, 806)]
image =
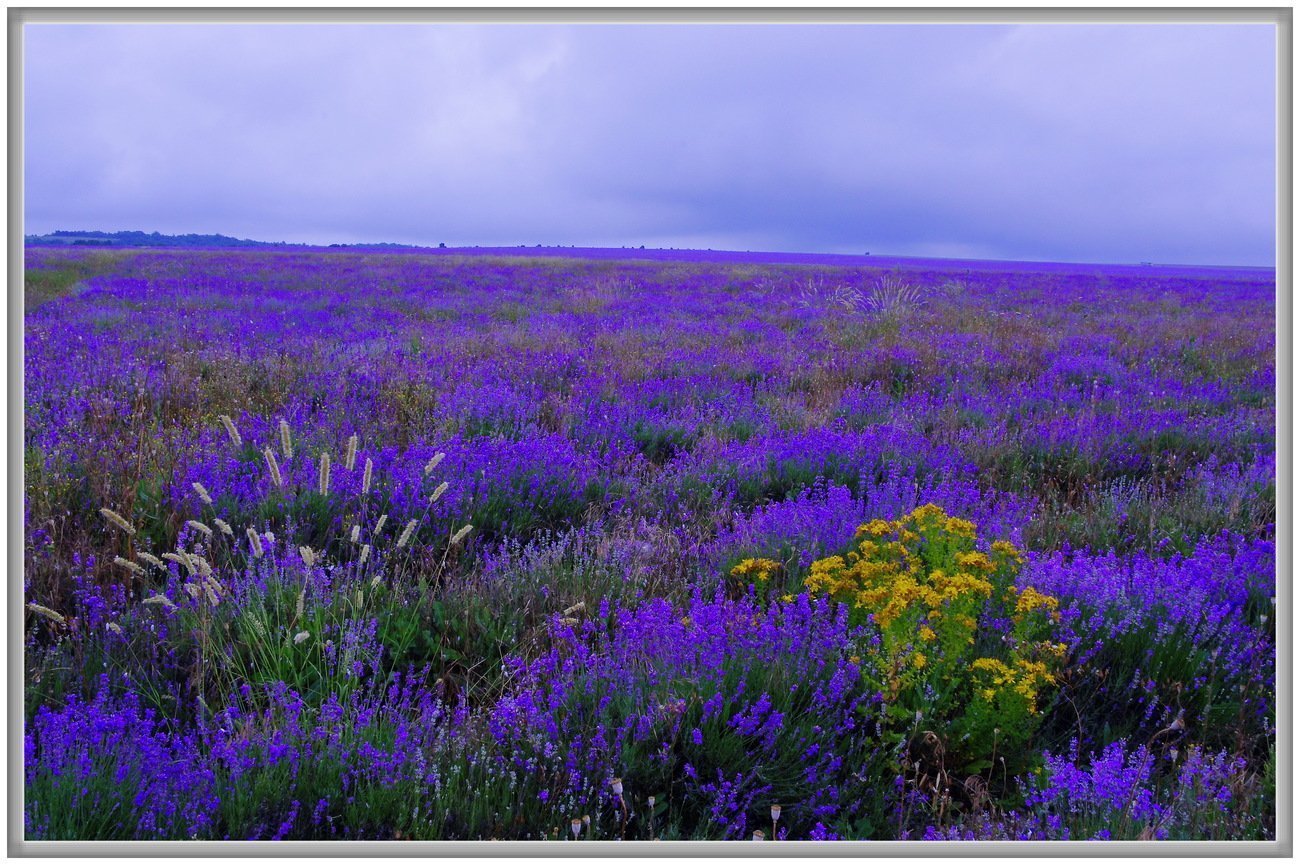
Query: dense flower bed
[(358, 545)]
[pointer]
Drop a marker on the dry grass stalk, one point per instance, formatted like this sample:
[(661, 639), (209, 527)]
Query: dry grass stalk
[(350, 458), (47, 613), (324, 484), (256, 541), (274, 467), (433, 463), (286, 443), (231, 429), (203, 493), (118, 520)]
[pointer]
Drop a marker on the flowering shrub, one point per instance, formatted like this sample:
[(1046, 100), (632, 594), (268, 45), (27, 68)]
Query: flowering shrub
[(960, 644), (758, 573)]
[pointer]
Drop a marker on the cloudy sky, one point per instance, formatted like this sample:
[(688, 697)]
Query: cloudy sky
[(1044, 142)]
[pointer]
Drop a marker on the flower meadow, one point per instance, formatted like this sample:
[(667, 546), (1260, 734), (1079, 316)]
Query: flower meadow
[(373, 545)]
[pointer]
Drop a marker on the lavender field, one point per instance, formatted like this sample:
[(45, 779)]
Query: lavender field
[(363, 545)]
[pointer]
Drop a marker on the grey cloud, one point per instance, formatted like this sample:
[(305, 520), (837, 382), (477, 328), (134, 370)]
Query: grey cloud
[(1061, 142)]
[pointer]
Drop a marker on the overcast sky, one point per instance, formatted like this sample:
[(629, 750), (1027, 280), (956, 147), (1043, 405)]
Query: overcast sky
[(1046, 142)]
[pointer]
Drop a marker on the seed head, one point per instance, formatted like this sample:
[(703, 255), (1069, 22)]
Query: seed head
[(350, 459), (308, 556), (365, 477), (286, 443), (203, 493), (118, 520), (406, 534), (379, 523), (273, 467), (324, 474), (231, 430), (356, 533), (47, 613), (300, 636), (114, 628), (433, 463), (437, 494), (182, 559), (224, 527), (199, 527), (129, 565), (365, 554), (159, 600), (460, 535), (151, 559), (256, 541)]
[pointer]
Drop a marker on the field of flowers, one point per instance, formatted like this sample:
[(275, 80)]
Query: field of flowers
[(351, 545)]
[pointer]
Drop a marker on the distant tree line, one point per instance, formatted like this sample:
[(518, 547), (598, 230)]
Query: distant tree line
[(139, 238)]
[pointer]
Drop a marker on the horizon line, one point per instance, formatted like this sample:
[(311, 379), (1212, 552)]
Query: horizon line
[(445, 249)]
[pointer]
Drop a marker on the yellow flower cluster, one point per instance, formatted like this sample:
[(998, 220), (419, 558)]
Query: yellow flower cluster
[(885, 576), (881, 578), (1007, 549), (757, 571), (1024, 678), (1031, 599)]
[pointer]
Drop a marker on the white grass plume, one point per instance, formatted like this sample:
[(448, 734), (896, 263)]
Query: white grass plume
[(118, 520), (437, 493), (286, 442), (274, 467), (47, 613), (256, 542), (231, 429)]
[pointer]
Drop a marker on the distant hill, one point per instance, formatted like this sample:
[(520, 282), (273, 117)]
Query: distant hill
[(139, 238)]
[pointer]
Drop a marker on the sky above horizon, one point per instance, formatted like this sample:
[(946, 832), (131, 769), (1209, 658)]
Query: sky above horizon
[(1109, 143)]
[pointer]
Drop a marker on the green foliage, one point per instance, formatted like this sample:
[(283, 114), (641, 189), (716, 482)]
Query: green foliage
[(42, 285)]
